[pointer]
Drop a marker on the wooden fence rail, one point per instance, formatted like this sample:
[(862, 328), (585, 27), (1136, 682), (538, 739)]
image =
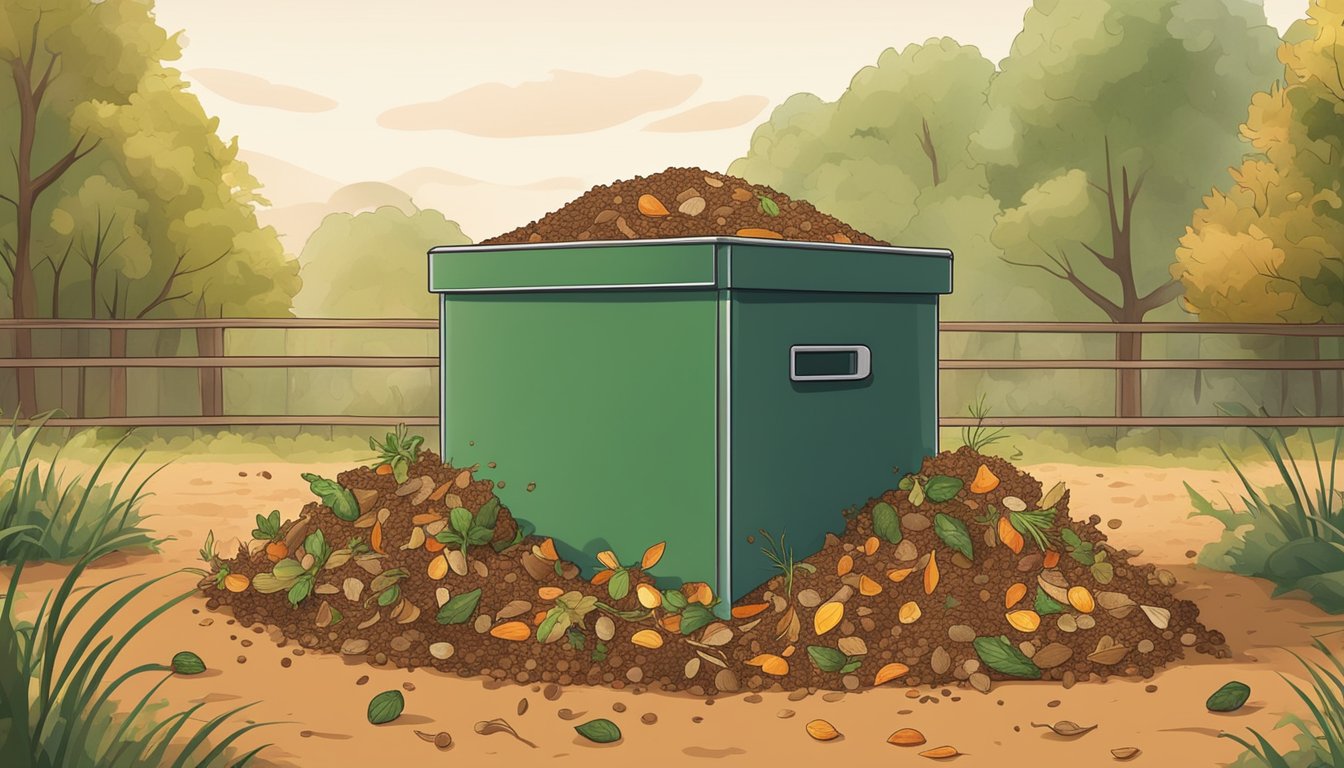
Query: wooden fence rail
[(212, 359)]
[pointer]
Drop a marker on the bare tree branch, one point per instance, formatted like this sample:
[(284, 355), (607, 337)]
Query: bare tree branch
[(176, 273), (1107, 261), (9, 200), (1160, 295), (49, 176), (1066, 273)]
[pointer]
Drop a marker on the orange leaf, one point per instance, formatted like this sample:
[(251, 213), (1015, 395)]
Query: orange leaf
[(899, 574), (698, 592), (985, 481), (549, 593), (376, 539), (651, 206), (547, 548), (652, 555), (931, 573), (1015, 593), (383, 469), (868, 587), (845, 565), (671, 622), (940, 753), (1009, 536), (608, 558), (787, 652), (649, 597), (890, 672), (540, 617), (602, 577), (515, 631), (870, 546), (747, 611), (758, 232), (1051, 559), (433, 545), (440, 492), (770, 664)]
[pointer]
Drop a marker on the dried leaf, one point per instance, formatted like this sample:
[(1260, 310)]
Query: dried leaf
[(1024, 621), (652, 555), (899, 574), (1066, 728), (789, 626), (416, 540), (692, 667), (770, 664), (1125, 753), (868, 587), (1108, 651), (1052, 496), (647, 638), (940, 753), (827, 617), (984, 481), (1081, 599), (1054, 585), (649, 596), (516, 631), (1014, 595), (715, 660), (931, 573), (499, 725), (1160, 617), (608, 558), (747, 611), (716, 634), (844, 565)]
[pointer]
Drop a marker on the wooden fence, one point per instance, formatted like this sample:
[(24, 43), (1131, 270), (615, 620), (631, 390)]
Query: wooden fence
[(213, 359)]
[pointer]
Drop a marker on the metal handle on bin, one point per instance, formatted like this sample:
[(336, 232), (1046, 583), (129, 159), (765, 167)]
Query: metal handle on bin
[(830, 362)]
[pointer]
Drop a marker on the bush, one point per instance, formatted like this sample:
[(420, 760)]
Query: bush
[(1289, 533), (63, 519), (1320, 739)]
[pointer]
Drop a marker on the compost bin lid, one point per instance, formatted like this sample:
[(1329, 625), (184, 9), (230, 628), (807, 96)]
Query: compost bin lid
[(690, 263)]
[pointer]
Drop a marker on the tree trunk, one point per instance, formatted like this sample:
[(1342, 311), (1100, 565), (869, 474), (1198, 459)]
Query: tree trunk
[(210, 343), (116, 387), (1128, 381), (82, 350)]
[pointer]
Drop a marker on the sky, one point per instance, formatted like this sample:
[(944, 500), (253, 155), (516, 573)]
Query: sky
[(517, 106)]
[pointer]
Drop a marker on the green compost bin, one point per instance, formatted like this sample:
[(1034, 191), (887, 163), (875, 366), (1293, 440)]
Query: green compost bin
[(693, 390)]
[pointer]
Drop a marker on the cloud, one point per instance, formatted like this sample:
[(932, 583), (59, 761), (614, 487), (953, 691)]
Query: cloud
[(711, 116), (243, 88), (564, 103)]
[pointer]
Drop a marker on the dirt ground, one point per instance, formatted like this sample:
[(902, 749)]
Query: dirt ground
[(321, 702)]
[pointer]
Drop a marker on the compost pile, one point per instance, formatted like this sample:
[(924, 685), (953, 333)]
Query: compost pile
[(966, 573), (684, 202)]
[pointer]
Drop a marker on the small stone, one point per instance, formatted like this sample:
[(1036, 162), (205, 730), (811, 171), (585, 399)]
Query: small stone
[(726, 681), (1067, 623), (1150, 688), (1188, 639), (1191, 553), (784, 714), (851, 682), (207, 622), (833, 696), (798, 695), (441, 650), (551, 692), (961, 633), (618, 707), (400, 644), (634, 674), (1085, 622), (980, 682), (362, 680), (1113, 523), (605, 628), (961, 561), (286, 662), (940, 661), (1166, 578), (482, 624), (906, 551), (809, 598), (981, 579), (354, 646), (242, 659), (914, 521), (648, 718), (754, 698), (1052, 703), (1145, 646)]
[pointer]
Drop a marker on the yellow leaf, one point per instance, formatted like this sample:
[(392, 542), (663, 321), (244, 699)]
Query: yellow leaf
[(1015, 593), (236, 582), (648, 596), (931, 573), (868, 587), (647, 638), (698, 592), (898, 574), (770, 664), (1024, 621), (1081, 599), (608, 558), (827, 617), (652, 555), (844, 565), (890, 672), (438, 568), (821, 730), (517, 631)]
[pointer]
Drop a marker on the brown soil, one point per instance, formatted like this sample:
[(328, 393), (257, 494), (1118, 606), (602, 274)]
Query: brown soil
[(969, 598), (684, 202)]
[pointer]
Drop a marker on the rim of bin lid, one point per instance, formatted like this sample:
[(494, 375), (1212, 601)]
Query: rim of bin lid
[(943, 253)]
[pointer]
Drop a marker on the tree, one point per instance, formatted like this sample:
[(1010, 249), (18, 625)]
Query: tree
[(373, 264), (147, 213), (1108, 119), (1268, 249)]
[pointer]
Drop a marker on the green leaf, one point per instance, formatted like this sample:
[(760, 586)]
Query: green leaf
[(851, 666), (287, 569), (827, 659), (953, 533), (619, 584), (489, 514), (188, 663), (600, 652), (1103, 572), (448, 536), (274, 520), (907, 483), (300, 591), (886, 523), (674, 600), (547, 625), (1229, 698), (386, 707), (1002, 656), (459, 608), (575, 638), (942, 488), (1229, 518), (1045, 604), (950, 603), (340, 501), (389, 596), (460, 519), (478, 536), (315, 544), (917, 494), (401, 469), (336, 617), (695, 616), (601, 731), (266, 583), (768, 207)]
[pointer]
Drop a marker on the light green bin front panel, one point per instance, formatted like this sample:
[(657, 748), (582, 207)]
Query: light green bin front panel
[(604, 399)]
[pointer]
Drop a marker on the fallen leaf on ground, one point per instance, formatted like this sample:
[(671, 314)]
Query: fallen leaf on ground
[(1066, 728)]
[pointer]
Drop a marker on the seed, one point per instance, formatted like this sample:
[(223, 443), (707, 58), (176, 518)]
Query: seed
[(909, 613), (692, 667), (1160, 617), (651, 206), (940, 661), (605, 628), (821, 730), (1024, 621), (961, 633), (940, 753), (906, 737), (1014, 504), (515, 631)]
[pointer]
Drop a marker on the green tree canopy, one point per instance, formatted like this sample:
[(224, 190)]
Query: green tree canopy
[(373, 264)]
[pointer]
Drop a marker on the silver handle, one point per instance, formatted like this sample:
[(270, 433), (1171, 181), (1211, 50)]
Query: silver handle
[(830, 362)]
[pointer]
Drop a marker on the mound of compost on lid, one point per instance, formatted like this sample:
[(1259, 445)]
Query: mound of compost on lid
[(966, 574), (684, 202)]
